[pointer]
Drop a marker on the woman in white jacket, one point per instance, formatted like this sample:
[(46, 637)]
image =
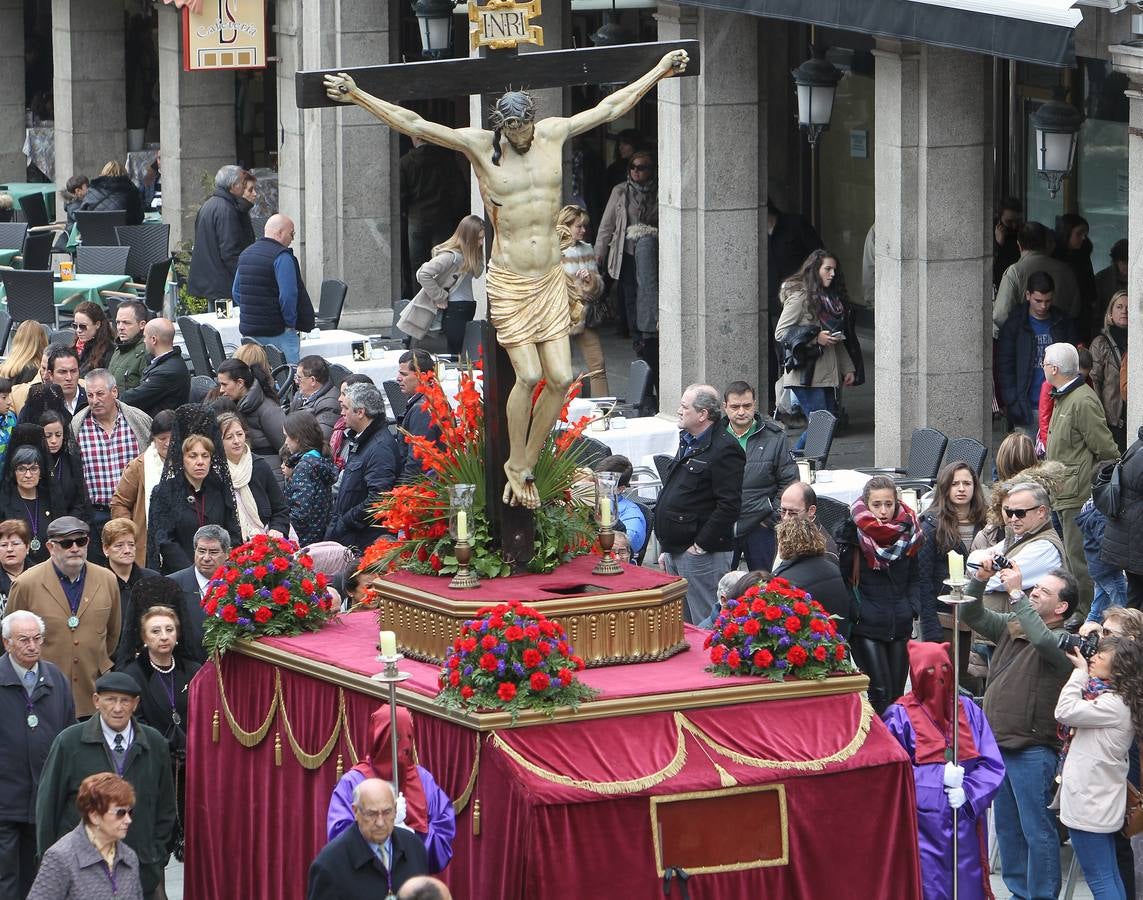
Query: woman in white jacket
[(1092, 799), (579, 264)]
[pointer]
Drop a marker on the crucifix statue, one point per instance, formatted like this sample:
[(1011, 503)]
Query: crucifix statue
[(518, 168)]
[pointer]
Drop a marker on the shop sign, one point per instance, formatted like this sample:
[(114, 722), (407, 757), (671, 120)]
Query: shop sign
[(225, 34), (503, 24)]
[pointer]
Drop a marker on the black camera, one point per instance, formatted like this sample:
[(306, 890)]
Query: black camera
[(999, 561), (1087, 645)]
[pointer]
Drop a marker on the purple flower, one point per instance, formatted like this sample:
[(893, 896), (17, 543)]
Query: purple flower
[(500, 649), (243, 621), (483, 624), (467, 671), (776, 630), (780, 664), (518, 669), (247, 571), (784, 642), (263, 593), (501, 667)]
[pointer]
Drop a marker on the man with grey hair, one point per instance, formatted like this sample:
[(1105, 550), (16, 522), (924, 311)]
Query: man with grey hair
[(36, 704), (372, 466), (270, 293), (1078, 437), (219, 237), (166, 380), (211, 548), (700, 501)]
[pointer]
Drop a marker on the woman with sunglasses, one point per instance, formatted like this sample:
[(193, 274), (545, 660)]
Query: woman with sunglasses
[(94, 339), (106, 807)]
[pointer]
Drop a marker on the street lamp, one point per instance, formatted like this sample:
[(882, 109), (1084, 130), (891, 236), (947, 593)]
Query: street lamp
[(816, 81), (611, 34), (434, 18), (1057, 125)]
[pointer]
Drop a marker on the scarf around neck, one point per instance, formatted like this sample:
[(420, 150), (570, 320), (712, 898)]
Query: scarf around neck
[(885, 543), (240, 474), (1093, 688)]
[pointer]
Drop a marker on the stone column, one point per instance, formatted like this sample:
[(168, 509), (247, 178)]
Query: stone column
[(934, 297), (337, 172), (1129, 60), (89, 86), (12, 159), (196, 129), (712, 176)]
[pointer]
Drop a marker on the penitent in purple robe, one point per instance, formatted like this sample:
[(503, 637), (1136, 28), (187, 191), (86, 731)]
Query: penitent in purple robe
[(442, 819), (982, 777)]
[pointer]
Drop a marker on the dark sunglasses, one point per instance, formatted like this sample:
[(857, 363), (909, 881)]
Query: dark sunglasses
[(122, 811), (642, 168), (66, 543), (1018, 513)]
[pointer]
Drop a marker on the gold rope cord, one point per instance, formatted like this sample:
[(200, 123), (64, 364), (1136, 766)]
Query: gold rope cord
[(312, 760), (462, 801), (245, 738), (630, 786), (855, 743)]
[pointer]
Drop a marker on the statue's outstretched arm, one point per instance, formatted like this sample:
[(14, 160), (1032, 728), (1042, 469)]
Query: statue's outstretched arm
[(620, 102)]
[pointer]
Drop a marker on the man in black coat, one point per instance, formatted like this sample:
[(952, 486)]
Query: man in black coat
[(371, 467), (416, 421), (211, 548), (1123, 537), (35, 705), (700, 501), (165, 381), (219, 237), (370, 859)]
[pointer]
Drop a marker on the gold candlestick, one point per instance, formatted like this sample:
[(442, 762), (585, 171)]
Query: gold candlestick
[(608, 564), (465, 578)]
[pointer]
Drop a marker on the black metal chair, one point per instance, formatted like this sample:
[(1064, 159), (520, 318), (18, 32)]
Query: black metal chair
[(330, 303), (154, 293), (37, 252), (30, 294), (250, 340), (337, 374), (926, 448), (397, 401), (65, 336), (589, 450), (831, 513), (634, 399), (93, 260), (274, 356), (966, 450), (283, 377), (148, 243), (201, 385), (98, 227), (470, 349), (820, 429), (5, 332), (662, 464), (196, 347), (35, 210), (215, 350), (12, 235)]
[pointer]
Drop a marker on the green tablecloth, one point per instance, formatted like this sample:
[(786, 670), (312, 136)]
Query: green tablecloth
[(6, 256), (20, 189), (86, 286)]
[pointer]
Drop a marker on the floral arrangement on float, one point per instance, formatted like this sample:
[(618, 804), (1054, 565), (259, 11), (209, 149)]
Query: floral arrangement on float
[(263, 589), (418, 511), (512, 658), (778, 632)]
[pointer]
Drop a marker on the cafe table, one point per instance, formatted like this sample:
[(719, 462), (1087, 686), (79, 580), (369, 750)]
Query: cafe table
[(20, 189), (70, 294), (6, 256)]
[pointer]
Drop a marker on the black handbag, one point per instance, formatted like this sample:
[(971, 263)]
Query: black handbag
[(1106, 490)]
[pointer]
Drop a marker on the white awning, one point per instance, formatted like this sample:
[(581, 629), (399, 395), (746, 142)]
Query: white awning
[(1047, 12)]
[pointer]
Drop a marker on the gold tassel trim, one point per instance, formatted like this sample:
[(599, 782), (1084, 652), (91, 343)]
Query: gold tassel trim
[(724, 777), (340, 770), (246, 738), (854, 744), (214, 727), (277, 749), (312, 760), (462, 801), (476, 818), (629, 786)]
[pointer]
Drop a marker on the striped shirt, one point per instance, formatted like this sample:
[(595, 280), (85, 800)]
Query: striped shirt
[(105, 456)]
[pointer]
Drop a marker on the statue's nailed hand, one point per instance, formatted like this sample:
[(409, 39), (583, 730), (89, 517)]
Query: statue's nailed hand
[(339, 86), (674, 63)]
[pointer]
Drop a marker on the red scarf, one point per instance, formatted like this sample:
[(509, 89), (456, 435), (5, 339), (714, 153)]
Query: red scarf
[(883, 543), (929, 707), (379, 763)]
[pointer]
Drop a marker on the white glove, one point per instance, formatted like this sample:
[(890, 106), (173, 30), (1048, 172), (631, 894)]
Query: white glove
[(956, 797), (954, 775), (400, 821)]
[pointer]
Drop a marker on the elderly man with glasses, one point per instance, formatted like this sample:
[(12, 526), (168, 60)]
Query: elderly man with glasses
[(35, 705)]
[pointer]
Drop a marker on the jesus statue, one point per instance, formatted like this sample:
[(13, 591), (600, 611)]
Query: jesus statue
[(530, 300)]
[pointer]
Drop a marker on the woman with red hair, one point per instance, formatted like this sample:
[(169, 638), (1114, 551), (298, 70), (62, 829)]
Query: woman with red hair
[(422, 807)]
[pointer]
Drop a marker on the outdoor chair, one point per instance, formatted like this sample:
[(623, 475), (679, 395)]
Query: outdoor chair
[(30, 295), (12, 235), (5, 332), (274, 356), (966, 450), (35, 210), (201, 385), (397, 401), (91, 259), (633, 401), (99, 227), (330, 303), (196, 347), (37, 251), (212, 340), (831, 513), (283, 377), (820, 428), (148, 244), (589, 450), (926, 447), (337, 374)]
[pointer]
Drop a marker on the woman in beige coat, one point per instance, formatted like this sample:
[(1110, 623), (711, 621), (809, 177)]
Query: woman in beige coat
[(132, 497), (1108, 349), (1092, 798)]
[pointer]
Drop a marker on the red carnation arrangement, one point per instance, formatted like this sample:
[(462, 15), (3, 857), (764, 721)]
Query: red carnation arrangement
[(512, 657), (264, 589), (777, 631)]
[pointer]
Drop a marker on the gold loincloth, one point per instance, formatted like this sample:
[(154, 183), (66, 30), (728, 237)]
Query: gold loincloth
[(529, 310)]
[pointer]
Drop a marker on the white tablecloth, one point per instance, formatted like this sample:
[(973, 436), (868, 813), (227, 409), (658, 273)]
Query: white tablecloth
[(331, 343), (641, 439), (841, 484)]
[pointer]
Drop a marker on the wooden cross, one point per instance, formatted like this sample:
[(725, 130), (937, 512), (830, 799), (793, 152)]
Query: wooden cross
[(493, 73)]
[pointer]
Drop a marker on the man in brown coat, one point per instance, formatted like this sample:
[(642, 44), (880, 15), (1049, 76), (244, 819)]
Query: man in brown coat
[(79, 604)]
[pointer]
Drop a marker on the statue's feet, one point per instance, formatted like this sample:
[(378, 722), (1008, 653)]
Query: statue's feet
[(521, 487)]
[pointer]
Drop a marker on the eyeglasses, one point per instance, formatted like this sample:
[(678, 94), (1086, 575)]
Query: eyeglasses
[(79, 326), (1018, 513), (641, 168), (27, 640), (372, 815), (66, 543), (121, 811), (29, 469), (789, 513)]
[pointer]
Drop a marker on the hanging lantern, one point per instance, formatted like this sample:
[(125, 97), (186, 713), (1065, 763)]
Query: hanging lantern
[(434, 18), (816, 84), (1057, 124)]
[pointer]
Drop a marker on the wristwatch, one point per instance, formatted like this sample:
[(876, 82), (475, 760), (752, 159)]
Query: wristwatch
[(1016, 596)]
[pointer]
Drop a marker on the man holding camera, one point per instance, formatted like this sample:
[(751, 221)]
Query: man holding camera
[(1027, 671)]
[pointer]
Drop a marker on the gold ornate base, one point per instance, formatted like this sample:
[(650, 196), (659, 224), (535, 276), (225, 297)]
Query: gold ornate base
[(606, 629), (464, 579)]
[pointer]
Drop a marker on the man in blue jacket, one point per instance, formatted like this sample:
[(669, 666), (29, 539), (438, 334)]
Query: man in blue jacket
[(1028, 331)]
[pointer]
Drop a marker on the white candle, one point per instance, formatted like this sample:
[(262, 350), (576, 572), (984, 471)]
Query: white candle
[(388, 643), (956, 566), (461, 525), (605, 512)]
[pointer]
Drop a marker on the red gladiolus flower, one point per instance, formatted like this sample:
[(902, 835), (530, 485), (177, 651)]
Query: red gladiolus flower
[(301, 610), (281, 563), (540, 681), (801, 609), (422, 553), (245, 591), (513, 633), (820, 653), (489, 641), (733, 659), (565, 677), (797, 656), (262, 615), (230, 613), (435, 562), (752, 626), (763, 659), (506, 691), (466, 692), (793, 624), (280, 595), (772, 613), (839, 652), (717, 654), (532, 658), (260, 571)]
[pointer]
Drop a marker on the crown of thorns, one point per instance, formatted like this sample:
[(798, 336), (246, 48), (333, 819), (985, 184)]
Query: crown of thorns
[(514, 106)]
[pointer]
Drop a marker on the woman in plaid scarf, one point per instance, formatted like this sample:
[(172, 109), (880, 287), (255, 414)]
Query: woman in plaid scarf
[(878, 549)]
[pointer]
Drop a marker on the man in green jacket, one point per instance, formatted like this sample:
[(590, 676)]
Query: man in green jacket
[(112, 741), (1078, 437), (130, 357)]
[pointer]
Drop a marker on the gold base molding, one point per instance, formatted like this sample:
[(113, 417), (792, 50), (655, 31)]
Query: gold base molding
[(605, 629)]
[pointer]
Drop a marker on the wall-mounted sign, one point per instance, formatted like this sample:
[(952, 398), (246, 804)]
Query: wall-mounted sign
[(503, 24), (225, 34)]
